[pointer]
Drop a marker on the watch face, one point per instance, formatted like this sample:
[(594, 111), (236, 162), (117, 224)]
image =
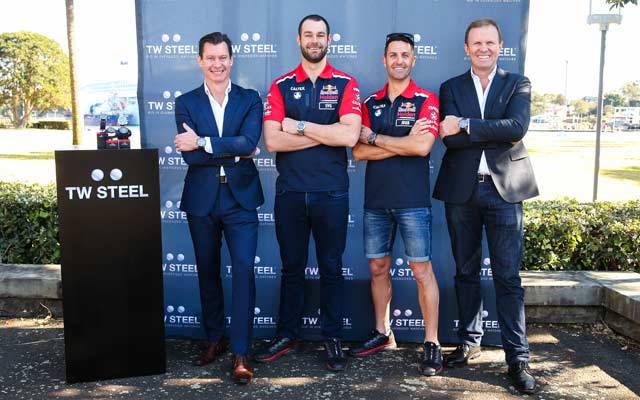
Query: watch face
[(301, 125)]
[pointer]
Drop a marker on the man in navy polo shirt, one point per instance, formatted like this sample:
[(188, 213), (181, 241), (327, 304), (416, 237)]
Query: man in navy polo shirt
[(399, 127), (312, 114)]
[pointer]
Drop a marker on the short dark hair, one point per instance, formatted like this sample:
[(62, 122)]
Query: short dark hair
[(214, 38), (313, 17), (480, 23), (398, 37)]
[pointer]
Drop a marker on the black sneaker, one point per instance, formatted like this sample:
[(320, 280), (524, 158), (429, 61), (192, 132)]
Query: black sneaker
[(521, 377), (375, 343), (276, 348), (336, 359), (430, 362)]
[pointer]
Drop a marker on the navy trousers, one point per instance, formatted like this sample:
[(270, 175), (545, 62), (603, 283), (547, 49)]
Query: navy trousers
[(324, 214), (240, 227), (504, 228)]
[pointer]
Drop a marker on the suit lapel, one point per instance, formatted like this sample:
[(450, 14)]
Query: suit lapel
[(496, 88), (207, 112), (468, 93), (230, 110)]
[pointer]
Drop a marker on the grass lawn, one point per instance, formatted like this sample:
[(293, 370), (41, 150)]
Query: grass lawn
[(563, 162)]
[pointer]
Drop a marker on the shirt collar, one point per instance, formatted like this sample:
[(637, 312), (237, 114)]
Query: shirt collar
[(408, 92), (491, 75), (302, 76), (226, 91)]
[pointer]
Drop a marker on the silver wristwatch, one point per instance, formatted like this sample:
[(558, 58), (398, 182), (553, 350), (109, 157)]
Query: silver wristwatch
[(300, 127), (464, 124), (201, 142)]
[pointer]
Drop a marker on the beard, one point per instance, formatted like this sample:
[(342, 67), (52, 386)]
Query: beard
[(314, 58)]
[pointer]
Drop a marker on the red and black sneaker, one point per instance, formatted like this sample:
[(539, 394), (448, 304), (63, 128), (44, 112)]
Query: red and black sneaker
[(376, 342), (275, 349)]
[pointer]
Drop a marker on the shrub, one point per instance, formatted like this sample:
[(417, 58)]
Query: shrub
[(28, 224), (64, 125)]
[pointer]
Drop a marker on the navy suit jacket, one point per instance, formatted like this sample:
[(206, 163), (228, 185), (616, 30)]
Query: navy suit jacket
[(241, 131), (499, 135)]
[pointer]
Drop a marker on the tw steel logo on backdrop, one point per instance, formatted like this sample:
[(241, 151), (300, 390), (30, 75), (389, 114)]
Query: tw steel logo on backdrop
[(260, 271), (176, 265), (486, 273), (423, 49), (401, 271), (253, 45), (265, 218), (171, 213), (406, 320), (104, 192), (170, 159), (488, 325), (179, 317), (340, 48), (313, 273), (162, 104), (169, 46), (313, 321)]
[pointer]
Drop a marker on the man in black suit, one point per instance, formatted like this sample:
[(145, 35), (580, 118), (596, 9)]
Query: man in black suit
[(484, 177)]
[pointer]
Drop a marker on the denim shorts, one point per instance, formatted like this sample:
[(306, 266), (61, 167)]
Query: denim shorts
[(415, 227)]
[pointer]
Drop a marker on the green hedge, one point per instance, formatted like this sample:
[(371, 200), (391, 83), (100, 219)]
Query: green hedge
[(64, 125), (559, 234), (28, 224), (565, 234)]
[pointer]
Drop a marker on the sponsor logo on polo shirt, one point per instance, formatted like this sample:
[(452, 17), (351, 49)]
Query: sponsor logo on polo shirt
[(329, 96), (406, 114)]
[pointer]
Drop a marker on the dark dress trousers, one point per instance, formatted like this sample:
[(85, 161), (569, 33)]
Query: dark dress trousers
[(495, 203), (213, 207)]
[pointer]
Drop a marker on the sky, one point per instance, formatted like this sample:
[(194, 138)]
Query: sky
[(558, 37)]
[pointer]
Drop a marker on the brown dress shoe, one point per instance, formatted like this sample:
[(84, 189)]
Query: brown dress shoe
[(242, 371), (210, 352)]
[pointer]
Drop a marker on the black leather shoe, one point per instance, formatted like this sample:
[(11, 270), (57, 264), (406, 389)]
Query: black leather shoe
[(461, 355), (336, 359), (276, 348), (376, 342), (430, 362), (521, 378)]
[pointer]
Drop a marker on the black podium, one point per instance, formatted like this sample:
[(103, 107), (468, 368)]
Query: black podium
[(111, 248)]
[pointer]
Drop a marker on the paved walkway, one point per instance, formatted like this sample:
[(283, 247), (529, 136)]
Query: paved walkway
[(571, 362)]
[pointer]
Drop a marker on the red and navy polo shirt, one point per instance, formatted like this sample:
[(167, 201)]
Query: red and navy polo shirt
[(399, 181), (293, 95)]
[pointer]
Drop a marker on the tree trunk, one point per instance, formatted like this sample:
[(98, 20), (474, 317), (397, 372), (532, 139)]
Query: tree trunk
[(77, 118)]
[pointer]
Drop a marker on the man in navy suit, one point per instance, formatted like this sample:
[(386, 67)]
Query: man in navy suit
[(484, 177), (221, 192)]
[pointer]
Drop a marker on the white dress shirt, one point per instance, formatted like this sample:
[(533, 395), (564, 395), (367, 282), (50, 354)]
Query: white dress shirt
[(483, 168), (218, 114)]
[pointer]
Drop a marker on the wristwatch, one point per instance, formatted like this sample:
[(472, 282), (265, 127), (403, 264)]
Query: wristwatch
[(300, 127), (371, 139), (464, 124), (201, 143)]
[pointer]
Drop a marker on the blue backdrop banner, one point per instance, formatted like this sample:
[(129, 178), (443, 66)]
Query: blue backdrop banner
[(264, 46)]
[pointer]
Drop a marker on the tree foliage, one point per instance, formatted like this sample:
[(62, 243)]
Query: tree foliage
[(614, 99), (621, 3), (34, 75)]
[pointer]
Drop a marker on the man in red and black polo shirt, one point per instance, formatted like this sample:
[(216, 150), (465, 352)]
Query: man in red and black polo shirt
[(311, 116), (399, 127)]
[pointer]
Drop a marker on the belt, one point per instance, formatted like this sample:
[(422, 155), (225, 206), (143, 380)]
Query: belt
[(223, 179), (484, 178)]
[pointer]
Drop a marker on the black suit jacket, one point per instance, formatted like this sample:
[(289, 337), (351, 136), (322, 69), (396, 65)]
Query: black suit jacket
[(499, 135), (240, 134)]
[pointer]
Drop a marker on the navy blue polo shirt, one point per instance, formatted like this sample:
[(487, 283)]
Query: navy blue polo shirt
[(399, 181), (293, 95)]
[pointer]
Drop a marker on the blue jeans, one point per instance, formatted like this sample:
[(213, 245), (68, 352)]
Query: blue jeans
[(380, 227), (504, 228), (324, 214)]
